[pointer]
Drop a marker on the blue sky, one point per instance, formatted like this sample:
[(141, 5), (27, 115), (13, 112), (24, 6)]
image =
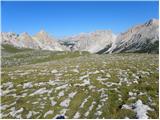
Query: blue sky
[(68, 18)]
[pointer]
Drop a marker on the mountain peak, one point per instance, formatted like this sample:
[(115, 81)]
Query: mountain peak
[(42, 31), (152, 21), (24, 34)]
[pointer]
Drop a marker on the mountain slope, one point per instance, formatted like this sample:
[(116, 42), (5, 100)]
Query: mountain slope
[(26, 41), (140, 38), (47, 42), (92, 42), (40, 41)]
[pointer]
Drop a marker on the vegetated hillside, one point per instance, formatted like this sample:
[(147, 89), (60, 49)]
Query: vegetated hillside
[(45, 84), (10, 49), (20, 56)]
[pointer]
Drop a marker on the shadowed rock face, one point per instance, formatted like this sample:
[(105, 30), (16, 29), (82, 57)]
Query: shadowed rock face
[(140, 38)]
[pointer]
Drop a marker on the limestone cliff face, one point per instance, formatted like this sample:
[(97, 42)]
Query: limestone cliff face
[(40, 41), (47, 42), (140, 38), (92, 42)]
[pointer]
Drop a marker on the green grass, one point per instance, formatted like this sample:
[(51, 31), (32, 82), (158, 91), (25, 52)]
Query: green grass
[(118, 66), (11, 49)]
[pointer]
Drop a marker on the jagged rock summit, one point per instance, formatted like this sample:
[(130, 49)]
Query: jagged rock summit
[(39, 41), (139, 38), (47, 42)]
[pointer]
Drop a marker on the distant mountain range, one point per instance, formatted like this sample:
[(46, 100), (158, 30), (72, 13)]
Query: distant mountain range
[(139, 38), (41, 41)]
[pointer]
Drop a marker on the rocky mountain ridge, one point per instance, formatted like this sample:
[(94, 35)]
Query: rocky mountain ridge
[(41, 41), (139, 38), (93, 41)]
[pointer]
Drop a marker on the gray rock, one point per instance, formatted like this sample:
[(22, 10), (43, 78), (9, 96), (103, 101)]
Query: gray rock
[(140, 38)]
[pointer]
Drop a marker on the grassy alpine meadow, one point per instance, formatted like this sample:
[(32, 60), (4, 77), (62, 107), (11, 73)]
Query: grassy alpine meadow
[(44, 84)]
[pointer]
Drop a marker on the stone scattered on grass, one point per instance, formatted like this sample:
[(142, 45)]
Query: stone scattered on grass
[(48, 113), (65, 103), (77, 115), (54, 71), (27, 85), (139, 108)]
